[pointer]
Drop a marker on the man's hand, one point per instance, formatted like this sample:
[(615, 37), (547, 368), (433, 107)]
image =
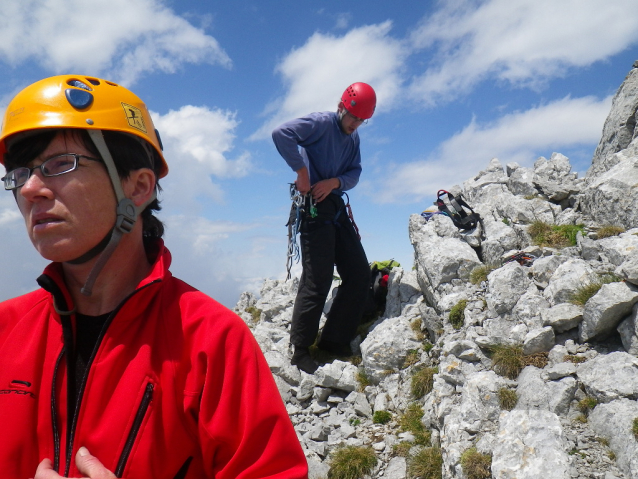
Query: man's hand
[(322, 189), (88, 465), (303, 181)]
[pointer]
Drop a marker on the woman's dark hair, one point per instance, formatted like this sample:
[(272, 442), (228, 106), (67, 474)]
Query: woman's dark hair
[(128, 152)]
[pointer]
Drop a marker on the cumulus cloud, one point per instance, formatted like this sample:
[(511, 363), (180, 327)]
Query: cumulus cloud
[(524, 43), (316, 73), (199, 146), (119, 39), (198, 142), (517, 137), (222, 258), (21, 265)]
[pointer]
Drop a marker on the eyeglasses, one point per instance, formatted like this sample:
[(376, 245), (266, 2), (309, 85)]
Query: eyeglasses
[(54, 166), (356, 119)]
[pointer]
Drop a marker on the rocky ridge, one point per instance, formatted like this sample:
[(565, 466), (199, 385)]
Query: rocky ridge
[(575, 393)]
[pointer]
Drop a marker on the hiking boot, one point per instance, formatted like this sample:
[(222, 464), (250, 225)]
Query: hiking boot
[(302, 359), (336, 349)]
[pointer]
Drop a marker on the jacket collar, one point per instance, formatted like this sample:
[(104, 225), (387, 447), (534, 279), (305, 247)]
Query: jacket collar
[(52, 279)]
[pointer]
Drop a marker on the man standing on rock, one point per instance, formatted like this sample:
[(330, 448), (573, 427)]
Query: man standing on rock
[(323, 149)]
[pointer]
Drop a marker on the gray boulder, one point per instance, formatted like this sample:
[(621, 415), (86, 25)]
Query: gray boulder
[(628, 330), (619, 128), (614, 421), (536, 393), (530, 445), (386, 347), (506, 285), (606, 309), (562, 316), (608, 377), (566, 280)]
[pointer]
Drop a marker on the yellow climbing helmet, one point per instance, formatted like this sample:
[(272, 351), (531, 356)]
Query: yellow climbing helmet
[(79, 101)]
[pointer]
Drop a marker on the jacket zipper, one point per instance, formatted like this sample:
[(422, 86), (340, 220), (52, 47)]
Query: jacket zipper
[(54, 421), (50, 286), (135, 429)]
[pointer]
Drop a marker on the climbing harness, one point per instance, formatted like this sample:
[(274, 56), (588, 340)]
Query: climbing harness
[(454, 207), (522, 258), (297, 210)]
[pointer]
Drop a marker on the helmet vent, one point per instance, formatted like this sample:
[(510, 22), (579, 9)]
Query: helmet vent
[(93, 81), (79, 84), (79, 99)]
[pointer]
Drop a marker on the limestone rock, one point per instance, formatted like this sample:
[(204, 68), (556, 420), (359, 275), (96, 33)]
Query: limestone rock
[(530, 445), (606, 309), (610, 376)]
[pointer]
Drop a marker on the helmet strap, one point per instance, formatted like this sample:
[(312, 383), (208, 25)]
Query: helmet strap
[(126, 211), (93, 252)]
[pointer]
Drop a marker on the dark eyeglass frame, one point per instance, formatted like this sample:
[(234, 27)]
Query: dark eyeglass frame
[(11, 184)]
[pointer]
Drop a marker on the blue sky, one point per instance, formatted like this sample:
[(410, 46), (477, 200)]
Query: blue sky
[(459, 82)]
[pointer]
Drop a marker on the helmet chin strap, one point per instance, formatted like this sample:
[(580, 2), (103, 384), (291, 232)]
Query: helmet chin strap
[(127, 214)]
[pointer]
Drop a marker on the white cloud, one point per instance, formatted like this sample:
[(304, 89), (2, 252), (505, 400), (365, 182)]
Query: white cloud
[(119, 39), (343, 20), (316, 73), (517, 137), (197, 143), (222, 258), (524, 42), (21, 264)]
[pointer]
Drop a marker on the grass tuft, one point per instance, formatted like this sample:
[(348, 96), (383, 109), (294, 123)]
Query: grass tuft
[(427, 463), (555, 236), (572, 358), (457, 314), (603, 440), (402, 449), (352, 462), (423, 381), (411, 422), (581, 418), (255, 313), (634, 427), (507, 398), (586, 291), (609, 230), (363, 379), (587, 404), (476, 465), (411, 358), (480, 273), (539, 360), (509, 361), (381, 417), (416, 325)]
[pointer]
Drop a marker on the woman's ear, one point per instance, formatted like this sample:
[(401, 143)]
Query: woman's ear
[(139, 186)]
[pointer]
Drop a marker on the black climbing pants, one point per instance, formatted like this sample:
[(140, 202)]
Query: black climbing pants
[(325, 241)]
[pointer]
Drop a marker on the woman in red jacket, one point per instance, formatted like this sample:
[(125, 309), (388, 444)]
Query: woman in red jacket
[(114, 368)]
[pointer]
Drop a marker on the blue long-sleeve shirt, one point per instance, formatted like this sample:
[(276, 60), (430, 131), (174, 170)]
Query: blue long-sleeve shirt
[(317, 142)]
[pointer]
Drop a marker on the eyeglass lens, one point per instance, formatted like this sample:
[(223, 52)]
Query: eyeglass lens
[(58, 165)]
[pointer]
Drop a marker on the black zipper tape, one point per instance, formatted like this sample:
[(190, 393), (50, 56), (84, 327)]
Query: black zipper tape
[(135, 429)]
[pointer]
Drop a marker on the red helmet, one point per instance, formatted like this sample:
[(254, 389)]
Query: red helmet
[(360, 100)]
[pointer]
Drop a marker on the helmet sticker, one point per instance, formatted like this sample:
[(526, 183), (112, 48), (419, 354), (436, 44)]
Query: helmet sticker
[(134, 117)]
